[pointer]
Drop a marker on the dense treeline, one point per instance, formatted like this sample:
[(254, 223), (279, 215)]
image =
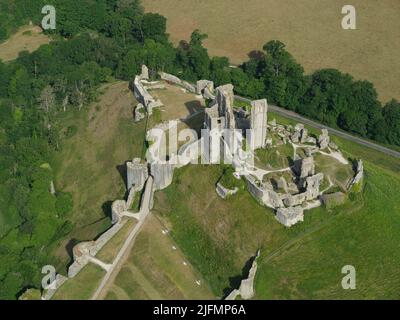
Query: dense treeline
[(15, 13), (98, 40)]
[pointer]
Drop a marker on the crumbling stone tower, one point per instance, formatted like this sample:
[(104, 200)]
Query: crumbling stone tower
[(258, 123), (225, 100), (137, 174)]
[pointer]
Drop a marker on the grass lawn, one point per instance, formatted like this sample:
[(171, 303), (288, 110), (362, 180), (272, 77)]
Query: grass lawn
[(27, 38), (275, 158), (220, 236), (82, 286), (154, 270), (367, 238), (177, 104), (311, 29), (110, 250)]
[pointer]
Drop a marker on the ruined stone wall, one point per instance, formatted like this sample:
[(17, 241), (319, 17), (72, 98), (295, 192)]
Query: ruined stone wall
[(258, 123), (225, 99), (137, 174), (255, 190), (162, 174), (170, 78), (141, 94)]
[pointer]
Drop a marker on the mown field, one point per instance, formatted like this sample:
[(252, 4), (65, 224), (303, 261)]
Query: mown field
[(157, 269), (311, 29)]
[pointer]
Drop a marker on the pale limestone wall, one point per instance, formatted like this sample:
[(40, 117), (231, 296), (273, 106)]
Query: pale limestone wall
[(170, 78), (257, 191), (84, 250), (246, 289), (304, 167), (225, 192), (225, 99), (145, 72), (290, 216), (141, 94), (201, 85), (58, 282), (189, 87), (137, 174), (258, 123), (323, 139), (162, 174)]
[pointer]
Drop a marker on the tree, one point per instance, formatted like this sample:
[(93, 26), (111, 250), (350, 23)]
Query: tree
[(391, 114), (194, 58), (283, 77), (154, 27), (47, 99), (219, 70)]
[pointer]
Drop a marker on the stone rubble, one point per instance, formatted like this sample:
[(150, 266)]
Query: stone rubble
[(139, 112), (323, 139), (225, 192)]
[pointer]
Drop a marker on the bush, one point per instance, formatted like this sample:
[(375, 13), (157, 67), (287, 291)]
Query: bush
[(63, 204), (71, 131)]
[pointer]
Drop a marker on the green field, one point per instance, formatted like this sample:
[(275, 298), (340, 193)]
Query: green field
[(82, 286), (154, 270), (366, 238)]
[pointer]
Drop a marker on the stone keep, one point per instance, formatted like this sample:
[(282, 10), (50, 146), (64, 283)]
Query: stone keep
[(137, 174), (258, 123)]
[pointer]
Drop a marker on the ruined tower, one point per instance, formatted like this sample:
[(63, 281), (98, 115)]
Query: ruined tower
[(137, 174), (258, 123)]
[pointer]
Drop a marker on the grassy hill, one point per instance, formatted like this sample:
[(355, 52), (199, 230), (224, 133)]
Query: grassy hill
[(219, 236), (99, 140), (366, 236)]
